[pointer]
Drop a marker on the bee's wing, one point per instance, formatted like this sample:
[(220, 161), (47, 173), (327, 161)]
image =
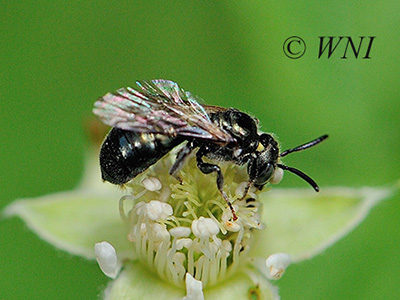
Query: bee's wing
[(158, 106)]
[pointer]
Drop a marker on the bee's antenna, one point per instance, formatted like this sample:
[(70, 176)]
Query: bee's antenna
[(301, 175), (304, 146)]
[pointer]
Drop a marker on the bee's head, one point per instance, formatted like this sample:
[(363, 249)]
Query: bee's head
[(265, 163), (266, 167)]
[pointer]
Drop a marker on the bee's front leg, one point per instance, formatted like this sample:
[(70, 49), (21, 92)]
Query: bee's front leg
[(253, 172)]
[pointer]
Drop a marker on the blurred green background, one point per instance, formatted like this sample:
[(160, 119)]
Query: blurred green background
[(58, 57)]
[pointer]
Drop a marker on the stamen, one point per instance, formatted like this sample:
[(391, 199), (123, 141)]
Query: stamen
[(204, 227), (183, 243), (180, 232), (107, 259), (152, 184), (194, 288), (158, 210), (277, 264)]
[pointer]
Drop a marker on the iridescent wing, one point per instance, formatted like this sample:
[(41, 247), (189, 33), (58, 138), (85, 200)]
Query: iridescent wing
[(159, 106)]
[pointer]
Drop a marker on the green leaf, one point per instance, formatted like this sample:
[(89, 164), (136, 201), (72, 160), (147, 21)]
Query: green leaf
[(74, 221), (303, 223)]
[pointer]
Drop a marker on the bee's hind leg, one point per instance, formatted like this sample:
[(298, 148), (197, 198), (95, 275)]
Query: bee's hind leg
[(207, 168)]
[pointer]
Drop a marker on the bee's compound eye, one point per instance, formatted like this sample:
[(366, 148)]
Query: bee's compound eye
[(277, 176), (264, 174)]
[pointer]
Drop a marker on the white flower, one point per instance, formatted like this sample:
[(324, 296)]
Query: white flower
[(178, 241)]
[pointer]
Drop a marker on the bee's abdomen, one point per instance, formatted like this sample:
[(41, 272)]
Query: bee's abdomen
[(125, 154)]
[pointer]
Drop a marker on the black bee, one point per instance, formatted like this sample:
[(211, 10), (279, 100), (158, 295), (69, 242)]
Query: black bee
[(156, 116)]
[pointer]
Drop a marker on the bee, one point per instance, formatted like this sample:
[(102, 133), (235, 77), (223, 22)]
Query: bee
[(155, 116)]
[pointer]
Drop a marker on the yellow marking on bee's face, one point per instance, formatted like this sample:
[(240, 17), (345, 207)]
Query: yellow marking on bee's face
[(260, 147)]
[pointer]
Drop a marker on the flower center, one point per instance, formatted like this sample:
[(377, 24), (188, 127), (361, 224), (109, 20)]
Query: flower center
[(186, 226)]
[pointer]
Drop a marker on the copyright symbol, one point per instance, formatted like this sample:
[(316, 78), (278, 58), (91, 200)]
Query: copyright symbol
[(294, 47)]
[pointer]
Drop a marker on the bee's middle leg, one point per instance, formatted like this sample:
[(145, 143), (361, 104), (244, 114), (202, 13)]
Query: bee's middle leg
[(208, 168)]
